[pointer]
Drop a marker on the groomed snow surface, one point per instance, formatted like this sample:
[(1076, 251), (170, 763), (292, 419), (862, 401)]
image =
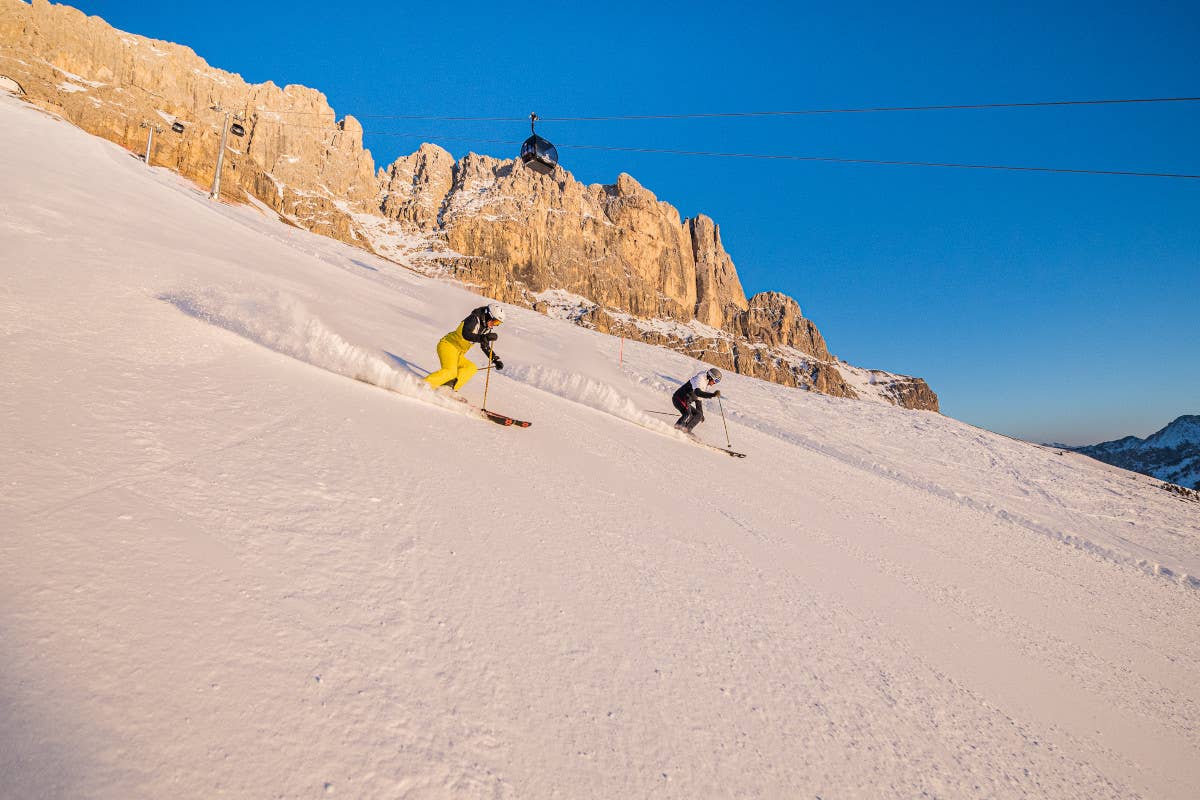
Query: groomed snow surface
[(229, 570)]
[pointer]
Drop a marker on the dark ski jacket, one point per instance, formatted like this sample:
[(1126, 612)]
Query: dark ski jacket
[(474, 330), (691, 389)]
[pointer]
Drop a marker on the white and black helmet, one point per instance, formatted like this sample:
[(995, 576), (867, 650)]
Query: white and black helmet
[(714, 375), (495, 311)]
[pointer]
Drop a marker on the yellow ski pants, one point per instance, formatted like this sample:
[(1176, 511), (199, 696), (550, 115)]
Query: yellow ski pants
[(455, 365)]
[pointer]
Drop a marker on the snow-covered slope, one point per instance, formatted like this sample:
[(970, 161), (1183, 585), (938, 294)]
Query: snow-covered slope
[(227, 569), (1172, 453)]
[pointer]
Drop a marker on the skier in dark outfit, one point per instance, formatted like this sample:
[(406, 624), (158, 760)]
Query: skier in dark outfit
[(687, 398)]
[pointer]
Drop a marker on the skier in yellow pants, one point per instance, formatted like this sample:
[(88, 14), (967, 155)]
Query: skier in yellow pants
[(452, 348)]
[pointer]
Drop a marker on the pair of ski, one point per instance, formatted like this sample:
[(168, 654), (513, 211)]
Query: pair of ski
[(499, 419), (724, 450), (693, 438), (719, 449)]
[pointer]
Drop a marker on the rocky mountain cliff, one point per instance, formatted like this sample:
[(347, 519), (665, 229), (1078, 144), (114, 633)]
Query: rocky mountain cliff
[(1172, 454), (624, 261)]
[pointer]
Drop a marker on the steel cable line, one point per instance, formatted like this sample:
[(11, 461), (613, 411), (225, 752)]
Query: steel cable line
[(826, 159), (734, 114), (752, 114), (802, 112), (257, 112)]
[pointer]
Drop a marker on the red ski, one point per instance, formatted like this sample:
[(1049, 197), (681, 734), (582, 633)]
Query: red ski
[(501, 419)]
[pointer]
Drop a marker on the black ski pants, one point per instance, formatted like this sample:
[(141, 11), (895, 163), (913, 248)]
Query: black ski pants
[(690, 411)]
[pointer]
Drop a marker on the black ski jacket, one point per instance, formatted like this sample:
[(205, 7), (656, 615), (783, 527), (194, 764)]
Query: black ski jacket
[(475, 330), (691, 389)]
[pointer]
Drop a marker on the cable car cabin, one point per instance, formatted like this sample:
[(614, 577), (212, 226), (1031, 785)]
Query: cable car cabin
[(237, 130), (539, 155), (177, 127)]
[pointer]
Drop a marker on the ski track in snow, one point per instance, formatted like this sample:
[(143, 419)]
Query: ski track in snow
[(285, 325), (224, 572), (592, 393)]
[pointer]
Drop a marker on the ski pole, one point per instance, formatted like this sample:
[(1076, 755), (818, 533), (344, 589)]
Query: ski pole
[(721, 406), (486, 379)]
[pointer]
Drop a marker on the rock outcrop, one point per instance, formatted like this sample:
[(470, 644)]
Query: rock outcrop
[(414, 187), (618, 246), (719, 295), (645, 272), (295, 155), (910, 392)]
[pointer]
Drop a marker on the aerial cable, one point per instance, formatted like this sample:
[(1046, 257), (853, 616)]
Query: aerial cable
[(717, 115), (885, 162), (879, 109), (737, 114), (826, 159), (867, 110)]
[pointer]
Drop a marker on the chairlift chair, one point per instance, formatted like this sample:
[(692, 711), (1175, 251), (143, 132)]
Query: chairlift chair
[(537, 153)]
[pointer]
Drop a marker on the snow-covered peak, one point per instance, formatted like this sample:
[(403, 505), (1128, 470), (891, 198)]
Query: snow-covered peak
[(1172, 454), (1184, 430)]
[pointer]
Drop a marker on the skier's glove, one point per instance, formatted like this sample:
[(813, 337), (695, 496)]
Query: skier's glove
[(717, 393), (498, 363), (491, 337)]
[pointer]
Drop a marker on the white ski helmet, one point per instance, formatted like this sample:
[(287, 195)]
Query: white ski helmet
[(714, 375), (495, 311)]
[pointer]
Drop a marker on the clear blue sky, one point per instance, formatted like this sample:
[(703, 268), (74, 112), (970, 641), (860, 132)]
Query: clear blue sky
[(1045, 306)]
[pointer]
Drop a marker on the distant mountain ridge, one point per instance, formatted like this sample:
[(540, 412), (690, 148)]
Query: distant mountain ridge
[(1171, 454)]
